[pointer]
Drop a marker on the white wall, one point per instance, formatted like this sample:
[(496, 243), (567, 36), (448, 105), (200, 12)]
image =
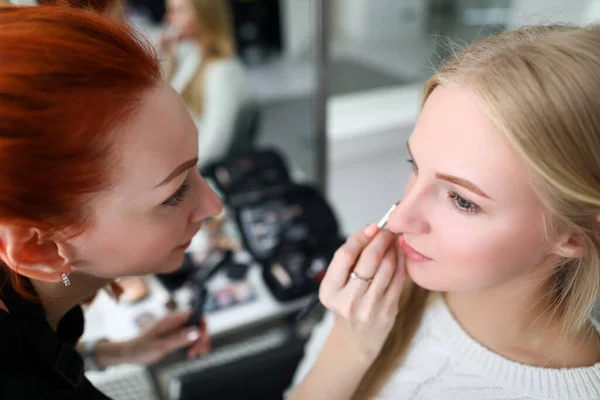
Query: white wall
[(298, 26), (367, 152), (357, 21), (529, 12), (592, 13), (370, 21), (363, 188)]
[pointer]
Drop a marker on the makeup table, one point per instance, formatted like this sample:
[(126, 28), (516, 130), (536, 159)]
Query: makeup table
[(108, 319), (242, 329)]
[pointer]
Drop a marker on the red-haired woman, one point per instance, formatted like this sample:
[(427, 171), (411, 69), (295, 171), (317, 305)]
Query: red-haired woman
[(97, 181)]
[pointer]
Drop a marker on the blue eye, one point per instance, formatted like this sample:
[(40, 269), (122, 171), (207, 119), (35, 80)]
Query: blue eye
[(177, 197), (463, 204)]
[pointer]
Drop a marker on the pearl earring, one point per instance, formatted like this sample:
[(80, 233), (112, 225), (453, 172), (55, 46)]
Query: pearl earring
[(65, 279)]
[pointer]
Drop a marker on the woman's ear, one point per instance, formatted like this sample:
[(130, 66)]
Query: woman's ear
[(28, 252), (571, 245)]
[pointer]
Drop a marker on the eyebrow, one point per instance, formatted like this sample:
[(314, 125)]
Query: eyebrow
[(178, 171), (454, 179)]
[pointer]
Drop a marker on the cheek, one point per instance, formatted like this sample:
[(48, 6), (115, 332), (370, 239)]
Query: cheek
[(132, 246), (186, 26), (155, 236), (478, 254)]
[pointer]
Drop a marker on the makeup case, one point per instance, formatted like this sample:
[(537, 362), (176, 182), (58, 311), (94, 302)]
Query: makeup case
[(288, 228)]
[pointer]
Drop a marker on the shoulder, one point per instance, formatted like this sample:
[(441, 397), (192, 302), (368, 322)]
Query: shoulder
[(229, 69), (23, 374), (26, 385), (30, 384), (21, 377), (12, 344), (226, 84)]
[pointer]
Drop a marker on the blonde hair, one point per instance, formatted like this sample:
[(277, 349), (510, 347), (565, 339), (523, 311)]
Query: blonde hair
[(214, 26), (540, 86)]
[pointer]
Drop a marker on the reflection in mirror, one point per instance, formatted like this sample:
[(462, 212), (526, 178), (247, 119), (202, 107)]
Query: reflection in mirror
[(246, 71)]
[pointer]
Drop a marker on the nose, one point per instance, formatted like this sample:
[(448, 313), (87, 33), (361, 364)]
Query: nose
[(410, 214), (208, 204)]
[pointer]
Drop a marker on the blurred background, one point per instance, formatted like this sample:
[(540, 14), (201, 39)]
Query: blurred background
[(378, 55), (333, 89)]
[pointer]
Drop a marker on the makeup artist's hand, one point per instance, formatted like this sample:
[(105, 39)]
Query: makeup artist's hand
[(168, 334), (365, 311)]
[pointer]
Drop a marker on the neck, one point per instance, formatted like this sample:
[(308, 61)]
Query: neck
[(516, 321), (57, 299)]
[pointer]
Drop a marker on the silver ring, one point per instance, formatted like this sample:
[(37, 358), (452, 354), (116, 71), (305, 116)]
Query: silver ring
[(353, 275)]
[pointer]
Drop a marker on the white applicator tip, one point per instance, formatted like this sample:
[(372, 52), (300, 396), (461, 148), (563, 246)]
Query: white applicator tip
[(383, 220)]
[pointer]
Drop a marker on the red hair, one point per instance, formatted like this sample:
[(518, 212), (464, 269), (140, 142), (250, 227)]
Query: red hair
[(68, 77)]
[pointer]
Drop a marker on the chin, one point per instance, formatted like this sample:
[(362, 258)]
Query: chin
[(426, 277), (171, 264), (435, 281)]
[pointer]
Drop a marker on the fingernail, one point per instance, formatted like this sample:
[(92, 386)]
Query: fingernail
[(371, 230), (193, 335)]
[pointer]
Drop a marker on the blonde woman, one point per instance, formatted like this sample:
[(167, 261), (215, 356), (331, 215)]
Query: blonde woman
[(500, 231), (210, 78)]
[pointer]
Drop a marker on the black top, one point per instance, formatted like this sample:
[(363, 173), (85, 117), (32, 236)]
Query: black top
[(36, 362)]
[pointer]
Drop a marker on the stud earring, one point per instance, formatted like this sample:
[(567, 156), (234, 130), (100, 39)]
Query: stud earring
[(65, 279)]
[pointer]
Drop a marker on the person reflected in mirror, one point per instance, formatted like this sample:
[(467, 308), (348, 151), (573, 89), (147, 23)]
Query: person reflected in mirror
[(209, 76)]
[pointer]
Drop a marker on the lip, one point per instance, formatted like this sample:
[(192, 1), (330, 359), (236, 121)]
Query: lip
[(411, 253), (185, 245)]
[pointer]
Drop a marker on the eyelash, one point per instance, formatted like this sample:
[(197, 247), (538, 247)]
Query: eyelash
[(461, 204), (467, 206), (412, 162), (178, 197)]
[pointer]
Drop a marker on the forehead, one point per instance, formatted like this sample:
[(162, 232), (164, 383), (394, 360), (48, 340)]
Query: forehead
[(158, 138), (454, 136)]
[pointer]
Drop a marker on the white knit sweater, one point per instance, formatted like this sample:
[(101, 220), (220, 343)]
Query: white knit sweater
[(445, 363), (226, 91)]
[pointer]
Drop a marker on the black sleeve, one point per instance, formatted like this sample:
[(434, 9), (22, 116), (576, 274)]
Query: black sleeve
[(23, 387)]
